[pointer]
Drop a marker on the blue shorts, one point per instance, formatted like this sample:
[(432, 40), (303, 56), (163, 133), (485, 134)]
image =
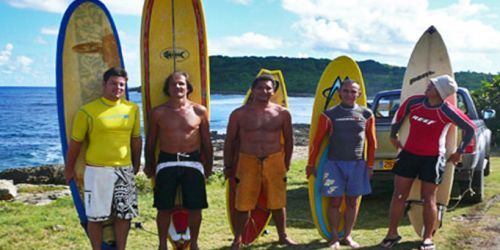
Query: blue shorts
[(345, 177)]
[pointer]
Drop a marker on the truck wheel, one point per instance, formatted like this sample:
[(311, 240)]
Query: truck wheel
[(487, 168), (477, 187)]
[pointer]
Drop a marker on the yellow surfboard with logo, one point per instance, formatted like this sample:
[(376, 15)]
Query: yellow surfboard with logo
[(260, 216), (173, 38), (87, 46), (327, 96)]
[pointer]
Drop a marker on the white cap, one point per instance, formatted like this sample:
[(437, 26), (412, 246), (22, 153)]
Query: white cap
[(445, 85)]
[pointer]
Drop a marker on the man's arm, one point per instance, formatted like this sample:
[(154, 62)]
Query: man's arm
[(288, 136), (136, 147), (231, 144), (78, 135), (151, 139), (324, 126), (71, 156), (371, 140), (468, 128), (398, 119), (206, 144)]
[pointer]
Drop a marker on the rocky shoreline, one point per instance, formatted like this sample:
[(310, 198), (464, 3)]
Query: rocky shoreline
[(53, 174)]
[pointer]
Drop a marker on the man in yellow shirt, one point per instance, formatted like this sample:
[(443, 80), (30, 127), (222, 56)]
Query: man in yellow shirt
[(111, 126)]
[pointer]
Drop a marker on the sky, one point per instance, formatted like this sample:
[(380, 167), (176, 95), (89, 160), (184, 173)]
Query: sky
[(382, 30)]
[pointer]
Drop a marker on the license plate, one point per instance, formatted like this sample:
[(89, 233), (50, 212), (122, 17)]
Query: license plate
[(388, 164)]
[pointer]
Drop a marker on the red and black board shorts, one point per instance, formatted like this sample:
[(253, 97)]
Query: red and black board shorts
[(190, 180)]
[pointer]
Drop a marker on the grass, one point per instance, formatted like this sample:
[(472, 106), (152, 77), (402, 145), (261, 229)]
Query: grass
[(55, 226), (27, 188)]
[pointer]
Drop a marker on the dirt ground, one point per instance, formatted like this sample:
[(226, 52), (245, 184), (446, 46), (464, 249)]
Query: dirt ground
[(481, 226)]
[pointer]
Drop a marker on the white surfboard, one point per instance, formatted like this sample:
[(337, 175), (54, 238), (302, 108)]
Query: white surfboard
[(428, 59)]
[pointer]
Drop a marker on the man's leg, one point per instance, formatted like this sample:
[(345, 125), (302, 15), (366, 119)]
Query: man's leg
[(122, 228), (195, 217), (402, 186), (95, 234), (279, 216), (238, 226), (428, 193), (334, 220), (351, 213), (163, 222)]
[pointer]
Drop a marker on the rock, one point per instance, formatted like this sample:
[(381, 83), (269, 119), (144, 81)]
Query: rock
[(7, 190), (42, 198), (49, 174), (58, 228), (301, 134), (54, 174)]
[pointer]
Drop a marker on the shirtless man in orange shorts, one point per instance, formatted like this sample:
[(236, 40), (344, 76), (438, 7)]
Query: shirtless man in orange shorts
[(253, 137)]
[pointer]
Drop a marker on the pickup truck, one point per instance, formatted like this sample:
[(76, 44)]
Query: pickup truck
[(469, 174)]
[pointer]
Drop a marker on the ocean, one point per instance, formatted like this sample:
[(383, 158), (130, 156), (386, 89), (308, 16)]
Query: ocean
[(29, 127)]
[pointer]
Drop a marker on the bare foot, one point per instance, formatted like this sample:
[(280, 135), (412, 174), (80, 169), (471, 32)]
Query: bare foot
[(350, 242), (334, 245), (236, 245), (287, 241), (193, 247)]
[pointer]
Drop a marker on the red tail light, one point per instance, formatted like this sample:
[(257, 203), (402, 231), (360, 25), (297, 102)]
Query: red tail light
[(471, 147)]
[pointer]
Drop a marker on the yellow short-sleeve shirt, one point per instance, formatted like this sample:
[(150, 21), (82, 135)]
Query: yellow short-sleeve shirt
[(108, 126)]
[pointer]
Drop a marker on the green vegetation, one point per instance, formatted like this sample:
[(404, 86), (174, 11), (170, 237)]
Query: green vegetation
[(55, 226), (234, 74), (488, 96), (40, 188)]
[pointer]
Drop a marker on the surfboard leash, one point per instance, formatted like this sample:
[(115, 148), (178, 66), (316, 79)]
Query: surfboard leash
[(461, 196), (138, 225)]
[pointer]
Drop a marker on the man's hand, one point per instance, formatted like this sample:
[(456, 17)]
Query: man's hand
[(208, 173), (370, 172), (228, 172), (455, 158), (396, 143), (69, 174), (149, 171), (310, 169)]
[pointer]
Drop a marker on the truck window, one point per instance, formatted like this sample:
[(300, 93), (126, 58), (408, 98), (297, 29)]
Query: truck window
[(461, 103), (387, 106)]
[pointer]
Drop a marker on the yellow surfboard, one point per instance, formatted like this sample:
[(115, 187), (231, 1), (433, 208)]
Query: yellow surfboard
[(173, 38), (87, 46), (260, 216), (327, 96), (428, 59)]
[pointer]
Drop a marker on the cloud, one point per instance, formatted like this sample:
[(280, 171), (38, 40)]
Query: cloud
[(57, 6), (24, 63), (126, 7), (387, 30), (9, 64), (6, 53), (40, 40), (53, 31), (249, 43)]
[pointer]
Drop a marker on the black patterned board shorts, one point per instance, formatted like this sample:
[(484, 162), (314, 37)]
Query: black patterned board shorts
[(110, 191)]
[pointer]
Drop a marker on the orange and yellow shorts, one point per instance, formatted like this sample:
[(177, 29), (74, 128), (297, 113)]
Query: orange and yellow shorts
[(255, 175)]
